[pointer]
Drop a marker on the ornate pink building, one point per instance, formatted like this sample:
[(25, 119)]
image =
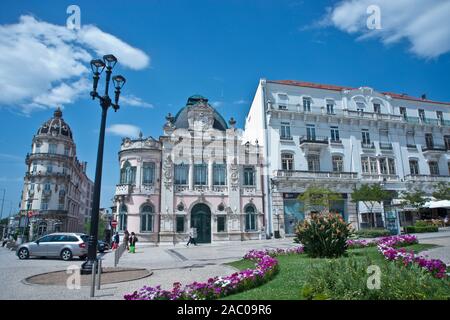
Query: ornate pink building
[(199, 174)]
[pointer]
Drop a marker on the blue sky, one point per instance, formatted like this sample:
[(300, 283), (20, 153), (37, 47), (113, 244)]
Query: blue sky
[(218, 49)]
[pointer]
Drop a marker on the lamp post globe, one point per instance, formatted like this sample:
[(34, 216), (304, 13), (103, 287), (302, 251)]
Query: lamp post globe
[(97, 66)]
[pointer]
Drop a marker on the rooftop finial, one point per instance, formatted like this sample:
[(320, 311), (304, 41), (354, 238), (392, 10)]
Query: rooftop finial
[(140, 135), (58, 113)]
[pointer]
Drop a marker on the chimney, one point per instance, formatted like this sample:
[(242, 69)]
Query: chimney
[(424, 96)]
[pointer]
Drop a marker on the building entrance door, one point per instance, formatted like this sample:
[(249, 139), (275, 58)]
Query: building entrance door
[(201, 220)]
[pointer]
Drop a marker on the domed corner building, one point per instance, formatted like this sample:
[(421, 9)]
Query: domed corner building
[(199, 174), (57, 193)]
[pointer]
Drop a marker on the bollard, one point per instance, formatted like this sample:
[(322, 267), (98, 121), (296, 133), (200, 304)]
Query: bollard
[(99, 273), (94, 267)]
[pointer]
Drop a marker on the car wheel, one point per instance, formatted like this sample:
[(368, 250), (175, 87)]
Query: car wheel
[(66, 254), (23, 254)]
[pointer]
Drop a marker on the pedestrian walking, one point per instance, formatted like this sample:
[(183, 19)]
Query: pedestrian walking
[(133, 240), (192, 237), (126, 239), (116, 240)]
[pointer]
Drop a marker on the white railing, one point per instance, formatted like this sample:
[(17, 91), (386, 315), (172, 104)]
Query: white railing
[(379, 177), (315, 174), (427, 178), (124, 189), (248, 190), (181, 188), (148, 188)]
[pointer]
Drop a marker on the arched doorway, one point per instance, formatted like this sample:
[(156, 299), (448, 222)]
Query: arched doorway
[(201, 220)]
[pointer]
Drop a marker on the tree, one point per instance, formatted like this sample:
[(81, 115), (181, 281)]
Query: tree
[(101, 228), (415, 199), (442, 191), (370, 195), (317, 198)]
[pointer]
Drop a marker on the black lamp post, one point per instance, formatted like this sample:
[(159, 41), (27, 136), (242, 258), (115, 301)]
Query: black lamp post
[(98, 65)]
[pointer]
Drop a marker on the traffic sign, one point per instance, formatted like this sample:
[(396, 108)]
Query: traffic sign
[(114, 223)]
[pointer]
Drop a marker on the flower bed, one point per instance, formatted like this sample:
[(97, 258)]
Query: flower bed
[(214, 288)]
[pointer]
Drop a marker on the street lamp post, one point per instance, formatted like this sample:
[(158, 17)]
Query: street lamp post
[(97, 66)]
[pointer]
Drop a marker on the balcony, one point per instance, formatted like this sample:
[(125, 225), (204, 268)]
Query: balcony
[(434, 148), (368, 146), (124, 189), (411, 147), (313, 175), (286, 138), (379, 177), (181, 187), (313, 140), (46, 193), (426, 178), (220, 189), (385, 146)]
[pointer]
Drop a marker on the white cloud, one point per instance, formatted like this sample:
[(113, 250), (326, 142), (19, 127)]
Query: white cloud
[(217, 104), (124, 130), (423, 23), (242, 101), (131, 100), (43, 65)]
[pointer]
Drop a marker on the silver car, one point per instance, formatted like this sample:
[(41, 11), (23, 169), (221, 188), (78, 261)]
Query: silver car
[(62, 244)]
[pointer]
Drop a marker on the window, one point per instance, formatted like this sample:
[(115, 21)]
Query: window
[(365, 165), (434, 168), (47, 186), (383, 166), (286, 131), (360, 107), (310, 132), (447, 142), (180, 224), (429, 140), (373, 166), (391, 164), (330, 107), (219, 174), (128, 174), (376, 108), (439, 116), (201, 174), (44, 205), (250, 218), (448, 164), (413, 167), (403, 112), (34, 170), (32, 186), (221, 223), (287, 161), (38, 148), (66, 151), (313, 162), (422, 114), (365, 137), (147, 218), (65, 170), (49, 168), (338, 164), (123, 218), (181, 174), (148, 173), (249, 176), (410, 141), (52, 148), (307, 104), (335, 134)]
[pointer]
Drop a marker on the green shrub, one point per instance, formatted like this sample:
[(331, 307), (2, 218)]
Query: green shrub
[(324, 235), (373, 233), (418, 229), (346, 279)]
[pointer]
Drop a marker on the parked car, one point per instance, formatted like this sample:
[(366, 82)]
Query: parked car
[(65, 245), (102, 246)]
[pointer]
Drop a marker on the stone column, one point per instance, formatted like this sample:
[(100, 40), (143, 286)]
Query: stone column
[(210, 174), (191, 174)]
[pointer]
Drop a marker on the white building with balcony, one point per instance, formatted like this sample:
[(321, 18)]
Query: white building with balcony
[(341, 137), (56, 191), (199, 174)]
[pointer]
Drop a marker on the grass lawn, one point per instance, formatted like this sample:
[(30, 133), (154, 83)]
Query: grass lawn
[(288, 283)]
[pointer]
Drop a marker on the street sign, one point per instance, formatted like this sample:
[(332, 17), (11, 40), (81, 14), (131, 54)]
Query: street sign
[(114, 223), (30, 214)]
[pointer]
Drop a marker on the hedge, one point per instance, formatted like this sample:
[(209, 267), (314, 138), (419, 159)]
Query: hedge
[(416, 229), (373, 233)]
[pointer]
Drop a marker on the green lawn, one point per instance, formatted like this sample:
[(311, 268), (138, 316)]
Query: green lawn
[(288, 283)]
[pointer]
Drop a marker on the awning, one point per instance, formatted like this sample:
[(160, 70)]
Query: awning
[(437, 204)]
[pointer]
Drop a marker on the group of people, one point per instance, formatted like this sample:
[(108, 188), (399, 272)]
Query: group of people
[(128, 239)]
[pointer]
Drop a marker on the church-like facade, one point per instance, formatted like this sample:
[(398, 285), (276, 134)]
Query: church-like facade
[(199, 174)]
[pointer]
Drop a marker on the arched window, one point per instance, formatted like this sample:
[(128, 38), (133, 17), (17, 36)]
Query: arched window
[(147, 218), (128, 174), (250, 218), (123, 217)]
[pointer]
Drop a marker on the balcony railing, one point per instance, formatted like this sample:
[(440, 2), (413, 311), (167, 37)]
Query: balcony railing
[(385, 146), (124, 189), (411, 146), (313, 139), (367, 145), (426, 178), (434, 147), (315, 174), (286, 138), (181, 187), (379, 177)]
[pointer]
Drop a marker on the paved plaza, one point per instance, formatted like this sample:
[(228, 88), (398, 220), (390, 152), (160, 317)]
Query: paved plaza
[(169, 263)]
